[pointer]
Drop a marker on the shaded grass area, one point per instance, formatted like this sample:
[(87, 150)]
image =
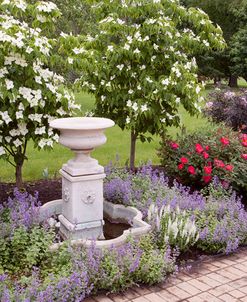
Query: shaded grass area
[(118, 144)]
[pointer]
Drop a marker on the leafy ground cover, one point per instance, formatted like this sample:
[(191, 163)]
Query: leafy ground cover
[(29, 271)]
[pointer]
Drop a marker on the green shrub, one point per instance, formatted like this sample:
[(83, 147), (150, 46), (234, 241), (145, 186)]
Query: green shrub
[(24, 249)]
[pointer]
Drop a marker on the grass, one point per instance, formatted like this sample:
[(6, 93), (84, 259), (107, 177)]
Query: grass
[(118, 144)]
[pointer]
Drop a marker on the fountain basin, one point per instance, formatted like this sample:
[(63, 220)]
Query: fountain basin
[(112, 212)]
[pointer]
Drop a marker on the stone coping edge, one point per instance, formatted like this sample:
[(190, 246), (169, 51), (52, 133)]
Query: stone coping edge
[(113, 211)]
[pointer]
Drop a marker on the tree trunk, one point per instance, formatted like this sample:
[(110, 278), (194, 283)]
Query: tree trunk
[(132, 150), (217, 81), (233, 81), (18, 175)]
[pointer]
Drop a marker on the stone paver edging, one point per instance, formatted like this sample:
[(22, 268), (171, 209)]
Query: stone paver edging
[(217, 279)]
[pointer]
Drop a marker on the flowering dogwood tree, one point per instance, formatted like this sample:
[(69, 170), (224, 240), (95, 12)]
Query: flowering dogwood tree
[(31, 94), (140, 65)]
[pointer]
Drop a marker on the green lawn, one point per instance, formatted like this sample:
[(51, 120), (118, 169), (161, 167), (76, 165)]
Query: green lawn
[(118, 144)]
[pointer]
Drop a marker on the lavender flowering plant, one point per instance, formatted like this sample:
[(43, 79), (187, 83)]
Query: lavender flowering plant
[(216, 222), (23, 240), (219, 219)]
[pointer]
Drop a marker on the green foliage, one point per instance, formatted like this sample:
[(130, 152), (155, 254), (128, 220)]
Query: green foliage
[(221, 226), (77, 17), (57, 262), (238, 53), (154, 264), (217, 64), (31, 93), (24, 249), (231, 16), (140, 65)]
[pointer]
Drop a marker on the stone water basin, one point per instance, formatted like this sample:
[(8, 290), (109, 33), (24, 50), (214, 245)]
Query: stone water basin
[(120, 223)]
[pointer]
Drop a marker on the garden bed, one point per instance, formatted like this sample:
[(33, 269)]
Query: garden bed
[(48, 189), (186, 227)]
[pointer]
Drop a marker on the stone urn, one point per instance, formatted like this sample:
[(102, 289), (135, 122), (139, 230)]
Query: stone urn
[(82, 177)]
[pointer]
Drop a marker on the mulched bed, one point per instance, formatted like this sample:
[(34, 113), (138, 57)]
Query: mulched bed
[(48, 189)]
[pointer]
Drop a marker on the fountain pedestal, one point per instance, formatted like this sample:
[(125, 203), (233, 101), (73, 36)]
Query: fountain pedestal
[(82, 178)]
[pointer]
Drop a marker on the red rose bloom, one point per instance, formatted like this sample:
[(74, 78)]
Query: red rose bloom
[(229, 168), (207, 178), (225, 141), (244, 143), (244, 156), (192, 170), (199, 148), (207, 148), (174, 145), (205, 155), (180, 166), (219, 163), (184, 160), (208, 170)]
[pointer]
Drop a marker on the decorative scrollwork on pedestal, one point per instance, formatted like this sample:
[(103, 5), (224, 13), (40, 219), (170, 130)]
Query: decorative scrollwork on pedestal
[(66, 194), (88, 197)]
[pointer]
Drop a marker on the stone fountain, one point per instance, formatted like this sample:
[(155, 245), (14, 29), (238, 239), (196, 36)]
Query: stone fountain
[(80, 211)]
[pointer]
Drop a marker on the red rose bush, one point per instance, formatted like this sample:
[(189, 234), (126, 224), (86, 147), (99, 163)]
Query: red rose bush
[(195, 159)]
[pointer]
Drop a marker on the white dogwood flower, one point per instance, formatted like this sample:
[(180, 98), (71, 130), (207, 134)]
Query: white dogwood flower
[(165, 82), (126, 46), (135, 106), (19, 115), (137, 51), (120, 67), (17, 142), (110, 48), (129, 103), (2, 151), (144, 108), (5, 116), (9, 84)]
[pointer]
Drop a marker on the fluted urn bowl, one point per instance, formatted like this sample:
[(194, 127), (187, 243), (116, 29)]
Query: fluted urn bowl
[(82, 135)]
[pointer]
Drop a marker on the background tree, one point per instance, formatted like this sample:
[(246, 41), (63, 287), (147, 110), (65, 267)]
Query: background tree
[(140, 66), (219, 64), (31, 94), (76, 17), (238, 45)]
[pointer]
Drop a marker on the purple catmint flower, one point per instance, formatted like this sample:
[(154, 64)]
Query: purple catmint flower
[(135, 264), (5, 295), (232, 245), (204, 233), (118, 190), (23, 210)]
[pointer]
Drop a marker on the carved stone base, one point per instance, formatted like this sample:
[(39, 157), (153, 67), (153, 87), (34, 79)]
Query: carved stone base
[(82, 206), (88, 230)]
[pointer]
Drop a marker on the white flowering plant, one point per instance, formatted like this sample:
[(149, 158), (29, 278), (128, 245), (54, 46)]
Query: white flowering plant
[(31, 94), (173, 227), (140, 65)]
